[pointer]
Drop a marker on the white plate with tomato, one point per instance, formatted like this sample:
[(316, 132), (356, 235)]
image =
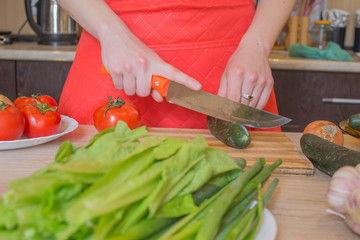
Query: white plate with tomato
[(67, 125)]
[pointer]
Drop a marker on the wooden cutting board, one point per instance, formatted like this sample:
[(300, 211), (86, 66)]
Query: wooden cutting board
[(268, 145)]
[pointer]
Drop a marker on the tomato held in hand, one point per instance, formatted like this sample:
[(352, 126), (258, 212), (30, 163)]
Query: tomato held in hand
[(20, 102), (41, 120), (12, 122), (110, 113)]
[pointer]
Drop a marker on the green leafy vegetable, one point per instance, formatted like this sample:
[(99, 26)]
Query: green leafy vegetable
[(125, 184)]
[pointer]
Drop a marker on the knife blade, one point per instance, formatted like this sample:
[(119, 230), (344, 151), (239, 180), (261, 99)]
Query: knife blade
[(213, 105)]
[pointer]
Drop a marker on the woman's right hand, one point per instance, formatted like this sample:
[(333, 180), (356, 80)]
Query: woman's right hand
[(131, 63)]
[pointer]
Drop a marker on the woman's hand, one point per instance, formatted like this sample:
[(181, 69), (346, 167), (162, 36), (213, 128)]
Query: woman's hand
[(131, 64), (128, 60), (248, 70), (248, 73)]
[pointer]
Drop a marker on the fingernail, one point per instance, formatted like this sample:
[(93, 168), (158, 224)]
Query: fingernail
[(197, 85)]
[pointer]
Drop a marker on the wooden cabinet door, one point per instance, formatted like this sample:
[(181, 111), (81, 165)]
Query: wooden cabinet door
[(300, 95), (7, 79), (47, 78)]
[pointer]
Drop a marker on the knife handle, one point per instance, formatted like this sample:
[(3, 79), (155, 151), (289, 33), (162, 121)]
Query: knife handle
[(158, 83), (103, 70)]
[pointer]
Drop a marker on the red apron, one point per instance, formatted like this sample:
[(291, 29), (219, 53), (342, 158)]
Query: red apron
[(196, 36)]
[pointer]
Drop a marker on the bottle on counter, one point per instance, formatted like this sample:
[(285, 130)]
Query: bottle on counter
[(321, 33), (357, 33)]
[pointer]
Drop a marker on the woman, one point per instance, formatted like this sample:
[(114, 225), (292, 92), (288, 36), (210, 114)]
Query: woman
[(223, 44)]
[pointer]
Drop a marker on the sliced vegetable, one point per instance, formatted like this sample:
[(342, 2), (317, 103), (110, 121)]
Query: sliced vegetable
[(232, 134), (327, 156)]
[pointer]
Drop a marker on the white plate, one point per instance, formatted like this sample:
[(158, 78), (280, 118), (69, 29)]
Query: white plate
[(67, 125), (268, 227)]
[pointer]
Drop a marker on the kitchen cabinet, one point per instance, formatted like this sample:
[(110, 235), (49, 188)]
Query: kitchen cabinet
[(300, 96), (41, 77), (7, 79), (23, 78), (299, 93)]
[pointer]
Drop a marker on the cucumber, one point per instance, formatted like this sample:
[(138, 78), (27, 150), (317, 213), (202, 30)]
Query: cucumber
[(232, 134), (354, 121), (327, 156)]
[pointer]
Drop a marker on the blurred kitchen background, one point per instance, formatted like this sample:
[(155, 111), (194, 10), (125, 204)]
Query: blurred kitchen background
[(50, 23), (306, 89), (13, 16)]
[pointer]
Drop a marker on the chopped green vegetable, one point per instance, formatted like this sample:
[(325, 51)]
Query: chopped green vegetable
[(213, 217), (127, 185)]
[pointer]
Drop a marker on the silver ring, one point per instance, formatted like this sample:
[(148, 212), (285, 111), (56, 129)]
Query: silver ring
[(247, 96)]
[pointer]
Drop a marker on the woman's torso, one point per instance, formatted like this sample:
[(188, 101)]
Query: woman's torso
[(197, 37)]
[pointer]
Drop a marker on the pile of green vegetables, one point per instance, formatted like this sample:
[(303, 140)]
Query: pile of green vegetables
[(126, 185)]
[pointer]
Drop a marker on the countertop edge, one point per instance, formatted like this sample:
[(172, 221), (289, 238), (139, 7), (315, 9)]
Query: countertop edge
[(313, 65), (278, 60), (36, 55)]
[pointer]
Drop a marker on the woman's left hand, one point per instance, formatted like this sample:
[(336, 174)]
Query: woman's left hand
[(247, 73)]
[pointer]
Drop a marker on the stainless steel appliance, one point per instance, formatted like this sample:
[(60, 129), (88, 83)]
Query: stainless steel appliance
[(5, 37), (53, 25)]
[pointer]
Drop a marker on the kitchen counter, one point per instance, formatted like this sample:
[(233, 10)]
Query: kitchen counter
[(36, 52), (298, 204), (279, 60)]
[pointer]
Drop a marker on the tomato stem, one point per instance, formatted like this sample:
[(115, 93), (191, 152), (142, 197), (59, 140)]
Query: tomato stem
[(37, 95), (43, 107), (118, 102)]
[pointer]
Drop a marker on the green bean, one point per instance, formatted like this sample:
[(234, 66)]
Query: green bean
[(264, 199), (260, 206), (145, 229), (203, 209), (238, 212), (243, 225), (261, 177), (217, 210), (189, 231)]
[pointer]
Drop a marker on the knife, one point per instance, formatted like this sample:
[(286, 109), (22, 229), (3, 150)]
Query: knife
[(213, 105)]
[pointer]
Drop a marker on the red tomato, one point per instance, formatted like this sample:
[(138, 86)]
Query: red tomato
[(20, 102), (12, 122), (326, 130), (41, 120), (110, 113)]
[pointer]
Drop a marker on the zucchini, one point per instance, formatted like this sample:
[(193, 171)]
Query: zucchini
[(232, 134), (354, 121), (327, 156)]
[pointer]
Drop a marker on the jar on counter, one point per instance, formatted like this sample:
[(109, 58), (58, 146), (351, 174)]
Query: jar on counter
[(357, 33), (321, 33)]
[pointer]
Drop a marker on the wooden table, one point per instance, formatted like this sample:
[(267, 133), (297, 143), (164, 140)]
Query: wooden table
[(298, 204)]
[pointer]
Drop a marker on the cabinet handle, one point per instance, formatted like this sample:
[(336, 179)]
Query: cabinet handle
[(342, 100)]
